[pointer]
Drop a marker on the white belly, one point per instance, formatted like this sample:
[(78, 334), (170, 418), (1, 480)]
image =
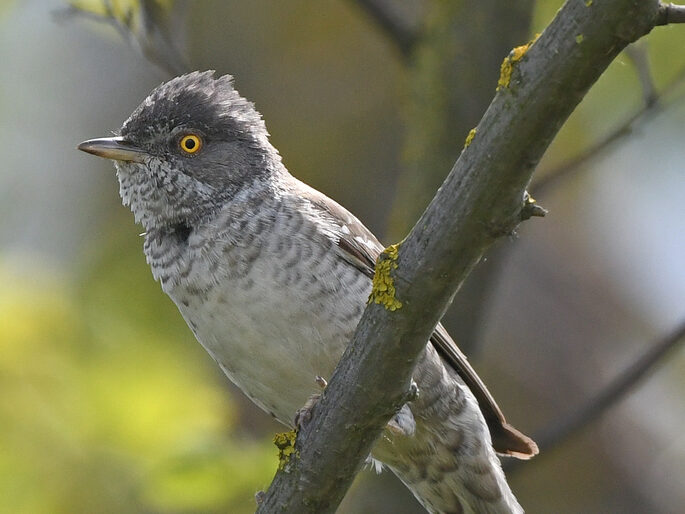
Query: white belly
[(273, 332)]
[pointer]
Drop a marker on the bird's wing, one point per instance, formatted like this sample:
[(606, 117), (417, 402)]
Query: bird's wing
[(360, 248)]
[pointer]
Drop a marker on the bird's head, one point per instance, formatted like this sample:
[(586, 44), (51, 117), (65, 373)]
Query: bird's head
[(192, 145)]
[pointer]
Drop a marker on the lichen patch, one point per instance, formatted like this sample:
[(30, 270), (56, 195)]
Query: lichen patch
[(469, 138), (508, 63), (383, 290), (285, 442)]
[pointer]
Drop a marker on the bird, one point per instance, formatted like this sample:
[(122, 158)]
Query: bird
[(272, 277)]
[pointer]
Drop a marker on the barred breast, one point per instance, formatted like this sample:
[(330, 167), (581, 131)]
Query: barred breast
[(264, 291)]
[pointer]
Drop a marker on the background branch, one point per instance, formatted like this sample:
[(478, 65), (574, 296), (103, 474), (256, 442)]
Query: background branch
[(559, 432), (452, 51), (401, 29), (637, 53), (613, 393), (157, 32), (481, 199), (452, 75), (649, 110)]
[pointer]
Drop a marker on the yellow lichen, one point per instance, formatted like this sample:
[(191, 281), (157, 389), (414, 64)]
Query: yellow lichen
[(285, 442), (469, 138), (508, 63), (579, 38), (383, 290), (588, 3)]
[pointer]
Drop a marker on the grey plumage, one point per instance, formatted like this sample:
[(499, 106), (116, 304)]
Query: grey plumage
[(272, 278)]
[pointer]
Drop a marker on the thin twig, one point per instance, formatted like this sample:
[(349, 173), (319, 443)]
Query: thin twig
[(151, 39), (618, 389), (69, 12), (637, 53), (671, 13), (401, 31), (553, 177)]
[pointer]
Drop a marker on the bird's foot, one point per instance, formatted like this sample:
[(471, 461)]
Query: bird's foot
[(403, 423), (304, 414), (412, 392)]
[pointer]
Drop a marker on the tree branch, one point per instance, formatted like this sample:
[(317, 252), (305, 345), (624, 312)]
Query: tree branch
[(614, 392), (150, 28), (637, 53), (671, 13), (453, 52), (567, 169), (481, 199), (402, 31)]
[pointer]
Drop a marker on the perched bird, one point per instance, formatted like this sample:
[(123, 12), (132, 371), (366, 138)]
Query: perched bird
[(272, 277)]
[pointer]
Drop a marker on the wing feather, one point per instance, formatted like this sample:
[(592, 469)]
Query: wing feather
[(360, 248)]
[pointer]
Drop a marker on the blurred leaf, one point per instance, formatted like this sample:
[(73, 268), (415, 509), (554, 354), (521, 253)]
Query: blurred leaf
[(155, 27), (126, 12), (105, 417)]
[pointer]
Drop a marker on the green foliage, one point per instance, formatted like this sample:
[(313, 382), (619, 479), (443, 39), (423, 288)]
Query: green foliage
[(126, 12), (101, 413)]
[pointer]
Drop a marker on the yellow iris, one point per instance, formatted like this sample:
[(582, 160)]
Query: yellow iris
[(190, 143)]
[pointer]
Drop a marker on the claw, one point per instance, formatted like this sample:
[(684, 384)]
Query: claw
[(321, 382), (304, 414), (413, 391)]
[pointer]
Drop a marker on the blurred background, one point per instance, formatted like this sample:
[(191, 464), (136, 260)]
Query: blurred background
[(107, 403)]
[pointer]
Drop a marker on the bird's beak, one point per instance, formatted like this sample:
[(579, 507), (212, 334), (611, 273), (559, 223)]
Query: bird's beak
[(116, 148)]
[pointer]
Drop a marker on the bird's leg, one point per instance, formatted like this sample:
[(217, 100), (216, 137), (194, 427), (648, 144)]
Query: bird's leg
[(412, 392), (304, 413), (403, 423)]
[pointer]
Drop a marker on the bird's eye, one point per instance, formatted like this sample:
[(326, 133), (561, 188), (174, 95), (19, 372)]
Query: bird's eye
[(190, 144)]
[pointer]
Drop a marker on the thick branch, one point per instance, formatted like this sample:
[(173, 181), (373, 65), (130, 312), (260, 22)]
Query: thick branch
[(481, 199), (402, 32)]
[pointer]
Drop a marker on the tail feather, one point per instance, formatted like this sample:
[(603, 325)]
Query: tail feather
[(509, 441), (455, 473), (448, 461)]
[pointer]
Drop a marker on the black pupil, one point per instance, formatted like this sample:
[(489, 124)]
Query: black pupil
[(189, 143)]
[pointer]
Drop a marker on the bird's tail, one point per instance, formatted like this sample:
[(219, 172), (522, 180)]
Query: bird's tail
[(452, 475), (444, 455)]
